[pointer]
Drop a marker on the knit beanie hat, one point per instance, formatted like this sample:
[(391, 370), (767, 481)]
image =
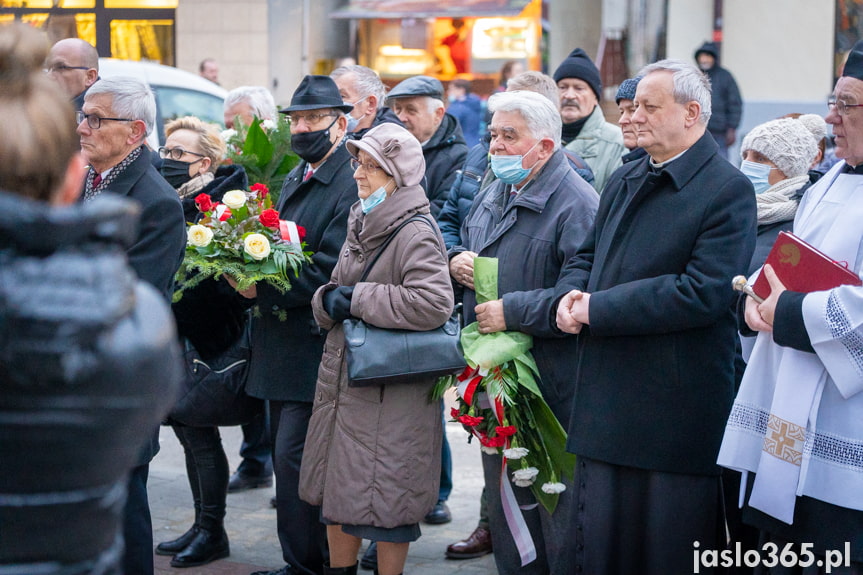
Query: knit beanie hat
[(815, 124), (785, 142), (626, 90), (396, 150), (579, 65)]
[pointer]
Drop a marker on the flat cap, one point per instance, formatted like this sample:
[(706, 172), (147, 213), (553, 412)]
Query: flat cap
[(417, 86)]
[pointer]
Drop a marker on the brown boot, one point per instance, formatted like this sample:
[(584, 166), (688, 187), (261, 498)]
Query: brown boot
[(477, 544)]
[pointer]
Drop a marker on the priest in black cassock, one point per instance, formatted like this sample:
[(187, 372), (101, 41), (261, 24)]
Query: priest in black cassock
[(649, 295)]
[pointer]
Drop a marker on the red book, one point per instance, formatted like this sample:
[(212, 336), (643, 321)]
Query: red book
[(802, 268)]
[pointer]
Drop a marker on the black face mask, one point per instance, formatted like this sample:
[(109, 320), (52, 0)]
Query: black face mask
[(313, 146), (175, 172)]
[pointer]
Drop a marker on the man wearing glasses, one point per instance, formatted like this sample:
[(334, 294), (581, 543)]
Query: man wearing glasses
[(113, 124), (74, 64), (288, 346)]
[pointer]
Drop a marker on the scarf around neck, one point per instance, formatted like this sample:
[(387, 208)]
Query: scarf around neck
[(779, 203)]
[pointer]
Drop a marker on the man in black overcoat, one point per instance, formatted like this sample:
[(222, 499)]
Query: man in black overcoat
[(116, 117), (649, 293), (286, 342)]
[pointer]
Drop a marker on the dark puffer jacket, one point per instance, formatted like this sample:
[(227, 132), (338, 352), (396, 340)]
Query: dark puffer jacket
[(89, 365), (726, 102)]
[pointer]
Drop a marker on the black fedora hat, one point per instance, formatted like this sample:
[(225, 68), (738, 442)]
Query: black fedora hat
[(316, 92)]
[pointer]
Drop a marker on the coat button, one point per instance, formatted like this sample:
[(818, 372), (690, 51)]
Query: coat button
[(275, 308), (339, 352)]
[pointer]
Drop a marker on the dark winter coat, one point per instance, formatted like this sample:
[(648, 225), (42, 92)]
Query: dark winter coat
[(460, 199), (158, 251), (533, 237), (655, 375), (88, 367), (159, 248), (725, 101), (287, 343), (212, 314), (468, 112), (444, 153), (372, 454)]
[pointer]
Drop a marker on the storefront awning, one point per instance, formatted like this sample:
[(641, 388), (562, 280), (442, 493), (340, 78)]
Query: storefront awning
[(429, 8)]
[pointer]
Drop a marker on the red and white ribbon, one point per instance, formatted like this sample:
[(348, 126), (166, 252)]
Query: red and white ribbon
[(290, 232)]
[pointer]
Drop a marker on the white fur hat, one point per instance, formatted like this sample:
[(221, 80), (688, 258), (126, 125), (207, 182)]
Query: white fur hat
[(785, 142)]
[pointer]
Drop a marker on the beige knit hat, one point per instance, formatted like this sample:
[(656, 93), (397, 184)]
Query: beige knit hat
[(785, 142), (396, 150)]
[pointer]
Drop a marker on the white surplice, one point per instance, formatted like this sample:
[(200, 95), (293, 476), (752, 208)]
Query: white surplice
[(797, 421)]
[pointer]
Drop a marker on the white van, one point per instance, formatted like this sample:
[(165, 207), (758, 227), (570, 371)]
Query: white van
[(178, 93)]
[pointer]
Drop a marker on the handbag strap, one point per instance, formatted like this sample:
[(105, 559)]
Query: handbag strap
[(387, 241)]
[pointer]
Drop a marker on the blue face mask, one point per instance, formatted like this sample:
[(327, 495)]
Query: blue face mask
[(757, 174), (508, 169), (376, 197), (354, 122)]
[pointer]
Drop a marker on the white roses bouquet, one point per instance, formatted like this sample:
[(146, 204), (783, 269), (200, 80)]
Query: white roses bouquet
[(243, 237)]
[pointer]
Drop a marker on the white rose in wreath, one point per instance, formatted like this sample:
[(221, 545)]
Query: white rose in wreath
[(257, 246), (199, 236), (235, 199)]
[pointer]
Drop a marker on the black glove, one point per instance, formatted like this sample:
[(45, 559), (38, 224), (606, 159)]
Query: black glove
[(337, 302)]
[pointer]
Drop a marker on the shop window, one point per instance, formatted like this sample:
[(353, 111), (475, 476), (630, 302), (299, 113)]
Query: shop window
[(143, 40), (74, 4), (141, 3)]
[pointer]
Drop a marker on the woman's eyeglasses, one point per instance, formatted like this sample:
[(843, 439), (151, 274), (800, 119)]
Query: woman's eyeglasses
[(368, 167), (176, 153)]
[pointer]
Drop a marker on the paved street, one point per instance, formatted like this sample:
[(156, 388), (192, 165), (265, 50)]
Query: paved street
[(251, 522)]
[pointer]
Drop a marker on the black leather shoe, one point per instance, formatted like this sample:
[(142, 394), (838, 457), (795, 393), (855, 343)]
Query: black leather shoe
[(439, 514), (174, 546), (207, 546), (369, 562), (286, 570), (242, 482)]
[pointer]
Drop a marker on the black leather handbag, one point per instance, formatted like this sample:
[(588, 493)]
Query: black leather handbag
[(213, 391), (378, 356)]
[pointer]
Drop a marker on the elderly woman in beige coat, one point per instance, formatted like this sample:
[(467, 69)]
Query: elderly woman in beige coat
[(372, 454)]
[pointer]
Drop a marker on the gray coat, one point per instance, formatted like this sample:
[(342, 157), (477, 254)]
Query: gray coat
[(372, 454)]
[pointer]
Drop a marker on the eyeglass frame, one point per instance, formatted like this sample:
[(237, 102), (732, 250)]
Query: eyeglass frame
[(840, 105), (62, 68), (165, 153), (81, 116), (310, 119), (368, 167)]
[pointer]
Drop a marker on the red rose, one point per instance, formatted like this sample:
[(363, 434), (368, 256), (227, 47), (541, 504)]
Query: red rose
[(453, 413), (261, 190), (269, 218), (302, 232), (226, 215), (507, 431), (204, 202)]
